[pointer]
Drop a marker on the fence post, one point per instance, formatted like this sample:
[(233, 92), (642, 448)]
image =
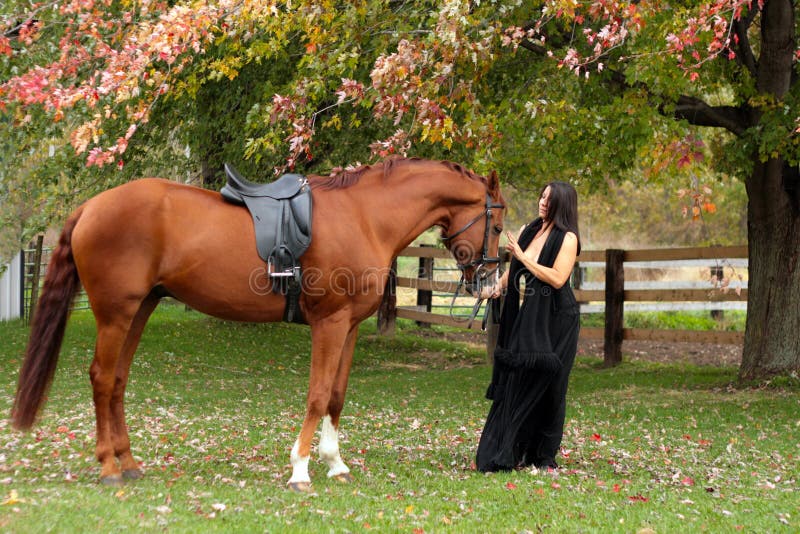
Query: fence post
[(387, 311), (493, 308), (22, 284), (425, 296), (578, 274), (615, 302), (37, 269), (718, 273)]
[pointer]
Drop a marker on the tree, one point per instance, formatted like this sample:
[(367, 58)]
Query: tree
[(738, 62), (592, 92)]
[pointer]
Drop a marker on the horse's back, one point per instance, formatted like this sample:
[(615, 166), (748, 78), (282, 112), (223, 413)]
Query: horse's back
[(134, 216)]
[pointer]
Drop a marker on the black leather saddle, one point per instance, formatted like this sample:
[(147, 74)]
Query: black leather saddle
[(281, 213)]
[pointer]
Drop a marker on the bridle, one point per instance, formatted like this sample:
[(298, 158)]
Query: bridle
[(481, 274)]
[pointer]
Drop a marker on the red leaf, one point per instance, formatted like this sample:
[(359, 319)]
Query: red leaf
[(596, 437), (511, 485)]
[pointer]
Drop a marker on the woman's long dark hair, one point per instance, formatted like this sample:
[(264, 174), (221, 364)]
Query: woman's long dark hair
[(562, 208)]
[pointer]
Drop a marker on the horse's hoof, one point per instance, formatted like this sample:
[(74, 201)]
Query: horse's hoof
[(132, 474), (112, 480), (344, 478), (300, 487)]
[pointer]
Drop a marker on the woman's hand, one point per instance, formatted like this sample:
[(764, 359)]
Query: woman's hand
[(492, 292), (513, 246)]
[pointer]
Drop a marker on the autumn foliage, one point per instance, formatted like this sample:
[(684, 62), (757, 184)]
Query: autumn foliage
[(102, 65)]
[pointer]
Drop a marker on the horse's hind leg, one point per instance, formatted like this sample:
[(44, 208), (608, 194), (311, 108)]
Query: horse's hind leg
[(119, 434), (112, 334), (329, 438)]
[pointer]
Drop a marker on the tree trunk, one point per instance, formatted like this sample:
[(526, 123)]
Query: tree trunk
[(771, 340)]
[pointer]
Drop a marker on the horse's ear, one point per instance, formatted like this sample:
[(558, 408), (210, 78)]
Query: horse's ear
[(494, 182)]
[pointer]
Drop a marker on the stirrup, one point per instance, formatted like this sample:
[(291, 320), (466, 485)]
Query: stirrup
[(292, 272)]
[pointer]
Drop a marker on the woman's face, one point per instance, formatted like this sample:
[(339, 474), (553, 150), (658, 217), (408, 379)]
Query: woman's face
[(543, 202)]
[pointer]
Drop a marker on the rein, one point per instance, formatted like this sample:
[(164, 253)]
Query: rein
[(481, 274)]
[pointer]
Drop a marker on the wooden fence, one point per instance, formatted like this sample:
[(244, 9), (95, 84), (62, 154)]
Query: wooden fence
[(614, 295)]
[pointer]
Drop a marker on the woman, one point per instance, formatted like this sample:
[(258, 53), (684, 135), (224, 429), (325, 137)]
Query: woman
[(537, 342)]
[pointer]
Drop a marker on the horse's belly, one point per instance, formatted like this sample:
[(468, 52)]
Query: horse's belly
[(232, 305)]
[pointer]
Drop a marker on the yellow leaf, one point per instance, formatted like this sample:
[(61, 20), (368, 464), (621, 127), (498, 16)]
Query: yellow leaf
[(13, 498)]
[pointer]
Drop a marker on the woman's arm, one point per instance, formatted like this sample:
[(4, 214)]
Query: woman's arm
[(502, 282), (559, 273)]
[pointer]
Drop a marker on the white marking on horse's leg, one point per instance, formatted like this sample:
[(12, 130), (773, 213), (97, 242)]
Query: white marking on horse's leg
[(329, 448), (299, 466)]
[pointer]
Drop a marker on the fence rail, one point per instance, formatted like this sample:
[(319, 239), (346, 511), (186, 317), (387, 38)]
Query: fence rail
[(612, 296)]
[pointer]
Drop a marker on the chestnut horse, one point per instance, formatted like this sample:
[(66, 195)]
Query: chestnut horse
[(134, 244)]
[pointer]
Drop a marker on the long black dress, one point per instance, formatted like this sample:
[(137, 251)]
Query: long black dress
[(535, 351)]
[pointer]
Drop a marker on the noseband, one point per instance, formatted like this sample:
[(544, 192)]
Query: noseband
[(480, 275)]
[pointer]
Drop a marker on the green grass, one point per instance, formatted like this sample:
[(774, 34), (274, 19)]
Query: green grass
[(732, 320), (215, 407)]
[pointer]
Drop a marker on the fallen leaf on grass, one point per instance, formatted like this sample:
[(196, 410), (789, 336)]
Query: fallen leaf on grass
[(13, 498)]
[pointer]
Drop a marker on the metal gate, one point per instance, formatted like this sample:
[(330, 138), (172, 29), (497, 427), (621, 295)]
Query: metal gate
[(35, 259)]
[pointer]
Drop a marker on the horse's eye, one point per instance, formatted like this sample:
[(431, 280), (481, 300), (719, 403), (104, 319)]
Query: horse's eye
[(498, 229)]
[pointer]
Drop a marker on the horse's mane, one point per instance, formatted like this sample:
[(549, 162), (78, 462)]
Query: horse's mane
[(341, 178)]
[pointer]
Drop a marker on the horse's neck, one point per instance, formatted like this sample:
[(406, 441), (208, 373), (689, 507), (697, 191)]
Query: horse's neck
[(409, 204)]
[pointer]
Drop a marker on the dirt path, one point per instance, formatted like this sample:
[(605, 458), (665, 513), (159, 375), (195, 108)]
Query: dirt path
[(696, 353)]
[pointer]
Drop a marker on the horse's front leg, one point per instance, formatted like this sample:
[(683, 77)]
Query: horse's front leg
[(329, 438), (327, 341)]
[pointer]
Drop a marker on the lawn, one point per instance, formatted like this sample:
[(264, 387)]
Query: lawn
[(214, 408)]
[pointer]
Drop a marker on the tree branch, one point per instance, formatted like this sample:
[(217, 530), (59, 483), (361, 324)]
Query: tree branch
[(698, 113), (745, 55), (533, 47), (691, 109)]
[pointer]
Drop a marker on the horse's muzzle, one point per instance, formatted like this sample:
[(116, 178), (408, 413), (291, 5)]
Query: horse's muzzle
[(482, 278)]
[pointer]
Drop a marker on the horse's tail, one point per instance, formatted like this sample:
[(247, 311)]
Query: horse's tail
[(49, 322)]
